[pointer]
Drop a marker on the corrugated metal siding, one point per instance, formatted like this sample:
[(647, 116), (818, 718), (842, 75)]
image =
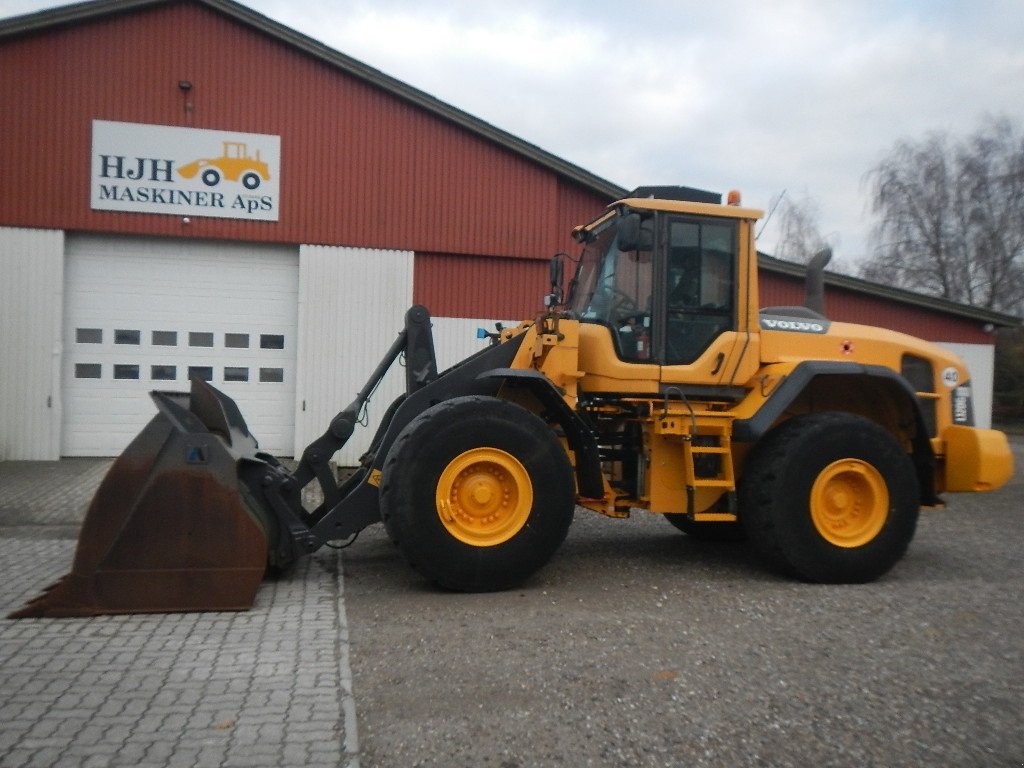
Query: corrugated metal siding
[(476, 286), (343, 334), (575, 206), (32, 266), (455, 338), (359, 166), (852, 307)]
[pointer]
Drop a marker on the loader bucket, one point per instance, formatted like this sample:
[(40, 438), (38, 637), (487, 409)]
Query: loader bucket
[(170, 528)]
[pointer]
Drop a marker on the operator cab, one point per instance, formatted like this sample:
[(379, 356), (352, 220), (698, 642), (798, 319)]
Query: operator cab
[(660, 278)]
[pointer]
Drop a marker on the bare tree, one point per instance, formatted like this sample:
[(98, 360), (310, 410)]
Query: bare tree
[(951, 217), (800, 233)]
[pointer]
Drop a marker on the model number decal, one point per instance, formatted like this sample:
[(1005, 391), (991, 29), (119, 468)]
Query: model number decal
[(962, 405)]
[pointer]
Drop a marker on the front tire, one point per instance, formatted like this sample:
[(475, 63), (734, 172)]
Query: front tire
[(477, 494), (830, 497)]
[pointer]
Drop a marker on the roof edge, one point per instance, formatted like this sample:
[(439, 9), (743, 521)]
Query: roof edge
[(97, 9), (879, 290), (88, 10), (66, 15)]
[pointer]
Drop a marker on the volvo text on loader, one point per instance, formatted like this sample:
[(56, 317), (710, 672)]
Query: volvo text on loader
[(658, 384)]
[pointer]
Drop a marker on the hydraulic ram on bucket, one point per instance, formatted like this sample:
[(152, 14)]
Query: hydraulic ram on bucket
[(191, 514)]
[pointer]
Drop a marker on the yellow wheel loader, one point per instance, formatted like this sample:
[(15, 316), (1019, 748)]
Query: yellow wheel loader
[(657, 384)]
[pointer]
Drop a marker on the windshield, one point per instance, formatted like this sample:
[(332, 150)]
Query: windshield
[(613, 287), (611, 284)]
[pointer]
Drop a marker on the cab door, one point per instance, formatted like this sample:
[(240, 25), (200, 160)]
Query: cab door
[(699, 340)]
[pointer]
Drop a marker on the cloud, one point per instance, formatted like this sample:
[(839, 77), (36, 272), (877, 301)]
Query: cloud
[(798, 95)]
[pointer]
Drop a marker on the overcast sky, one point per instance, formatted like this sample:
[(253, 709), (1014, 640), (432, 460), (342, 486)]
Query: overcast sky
[(804, 96)]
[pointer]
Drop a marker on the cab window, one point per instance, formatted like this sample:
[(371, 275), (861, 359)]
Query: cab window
[(700, 269)]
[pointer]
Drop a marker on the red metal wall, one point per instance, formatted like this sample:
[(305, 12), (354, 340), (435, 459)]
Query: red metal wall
[(853, 307), (474, 286), (479, 287), (358, 165)]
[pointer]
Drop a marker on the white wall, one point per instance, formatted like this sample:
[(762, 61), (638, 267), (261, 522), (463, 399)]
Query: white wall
[(455, 338), (31, 290), (980, 362), (352, 304)]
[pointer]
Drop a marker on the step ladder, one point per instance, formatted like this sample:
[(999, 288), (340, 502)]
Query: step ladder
[(720, 430)]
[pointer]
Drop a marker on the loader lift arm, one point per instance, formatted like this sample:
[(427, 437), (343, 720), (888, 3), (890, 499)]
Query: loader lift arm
[(351, 506), (355, 504), (191, 514)]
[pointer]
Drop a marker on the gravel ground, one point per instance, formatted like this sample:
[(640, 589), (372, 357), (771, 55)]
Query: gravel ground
[(638, 646)]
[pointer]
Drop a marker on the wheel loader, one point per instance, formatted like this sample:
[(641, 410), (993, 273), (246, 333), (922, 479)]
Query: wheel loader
[(652, 381)]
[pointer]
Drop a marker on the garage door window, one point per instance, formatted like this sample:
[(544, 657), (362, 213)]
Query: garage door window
[(88, 371), (272, 375), (163, 372), (126, 371)]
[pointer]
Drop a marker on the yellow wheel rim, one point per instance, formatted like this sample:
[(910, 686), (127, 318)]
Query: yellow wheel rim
[(484, 497), (849, 503)]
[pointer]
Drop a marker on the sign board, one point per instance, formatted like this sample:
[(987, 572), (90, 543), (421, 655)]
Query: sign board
[(185, 171)]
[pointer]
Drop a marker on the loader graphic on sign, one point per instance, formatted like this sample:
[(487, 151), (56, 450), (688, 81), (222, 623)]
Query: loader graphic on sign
[(234, 165)]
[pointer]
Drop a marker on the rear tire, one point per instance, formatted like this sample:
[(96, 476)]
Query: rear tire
[(830, 497), (477, 494)]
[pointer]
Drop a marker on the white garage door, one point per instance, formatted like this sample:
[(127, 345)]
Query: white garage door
[(145, 313)]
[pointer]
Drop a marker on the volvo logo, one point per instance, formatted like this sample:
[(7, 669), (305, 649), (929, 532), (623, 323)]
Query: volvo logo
[(798, 326)]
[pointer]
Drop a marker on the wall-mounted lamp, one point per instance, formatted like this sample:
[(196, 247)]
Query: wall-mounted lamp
[(185, 86)]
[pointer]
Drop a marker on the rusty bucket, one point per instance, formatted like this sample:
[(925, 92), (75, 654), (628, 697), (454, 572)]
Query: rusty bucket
[(170, 528)]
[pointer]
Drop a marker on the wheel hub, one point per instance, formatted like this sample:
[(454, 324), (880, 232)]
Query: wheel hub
[(484, 497), (849, 503)]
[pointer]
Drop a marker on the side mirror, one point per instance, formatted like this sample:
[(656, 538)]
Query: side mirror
[(636, 234), (556, 273), (556, 270)]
